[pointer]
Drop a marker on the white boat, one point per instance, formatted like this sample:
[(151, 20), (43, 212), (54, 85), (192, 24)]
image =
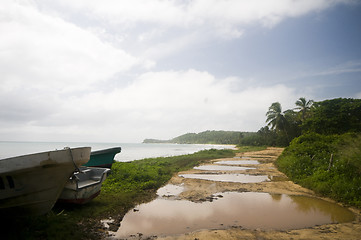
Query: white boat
[(84, 185), (31, 184)]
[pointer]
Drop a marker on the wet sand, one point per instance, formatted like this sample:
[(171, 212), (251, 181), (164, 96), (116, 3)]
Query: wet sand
[(198, 190)]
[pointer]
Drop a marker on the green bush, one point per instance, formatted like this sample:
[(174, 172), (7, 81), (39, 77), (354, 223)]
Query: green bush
[(307, 162), (335, 116)]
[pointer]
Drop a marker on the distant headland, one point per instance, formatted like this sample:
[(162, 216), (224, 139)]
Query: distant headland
[(206, 137)]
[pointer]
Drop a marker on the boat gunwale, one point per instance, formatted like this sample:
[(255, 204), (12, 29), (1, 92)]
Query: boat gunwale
[(43, 152), (109, 150)]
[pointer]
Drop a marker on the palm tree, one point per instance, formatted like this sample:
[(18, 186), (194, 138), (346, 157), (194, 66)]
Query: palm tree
[(275, 117), (303, 106)]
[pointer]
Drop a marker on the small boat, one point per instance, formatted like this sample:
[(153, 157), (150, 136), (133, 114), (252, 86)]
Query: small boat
[(103, 158), (84, 185), (31, 184)]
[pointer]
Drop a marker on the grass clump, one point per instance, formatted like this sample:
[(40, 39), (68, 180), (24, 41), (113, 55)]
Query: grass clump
[(152, 173)]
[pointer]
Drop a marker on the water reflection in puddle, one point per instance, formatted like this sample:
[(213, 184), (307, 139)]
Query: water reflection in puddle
[(170, 190), (248, 210), (240, 178), (221, 168), (237, 162)]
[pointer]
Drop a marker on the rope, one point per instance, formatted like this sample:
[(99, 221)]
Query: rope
[(72, 159)]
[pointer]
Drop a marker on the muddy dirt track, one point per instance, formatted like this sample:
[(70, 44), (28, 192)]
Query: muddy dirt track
[(200, 190)]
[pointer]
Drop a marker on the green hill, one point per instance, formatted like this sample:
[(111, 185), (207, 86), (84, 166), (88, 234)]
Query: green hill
[(207, 137)]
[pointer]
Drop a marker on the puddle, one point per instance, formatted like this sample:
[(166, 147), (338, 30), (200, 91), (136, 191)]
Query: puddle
[(170, 190), (237, 162), (249, 210), (258, 156), (244, 157), (239, 178), (221, 168)]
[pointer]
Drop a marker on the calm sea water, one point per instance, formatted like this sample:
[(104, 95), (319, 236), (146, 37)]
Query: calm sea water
[(130, 151)]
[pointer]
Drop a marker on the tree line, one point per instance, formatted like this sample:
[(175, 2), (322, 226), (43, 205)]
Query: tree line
[(323, 142), (335, 116)]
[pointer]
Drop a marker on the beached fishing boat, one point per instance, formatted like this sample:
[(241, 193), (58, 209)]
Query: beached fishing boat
[(102, 158), (31, 184), (84, 185)]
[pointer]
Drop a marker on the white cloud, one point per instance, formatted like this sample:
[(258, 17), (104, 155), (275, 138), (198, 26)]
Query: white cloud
[(154, 27), (41, 51), (173, 46), (160, 105), (177, 13)]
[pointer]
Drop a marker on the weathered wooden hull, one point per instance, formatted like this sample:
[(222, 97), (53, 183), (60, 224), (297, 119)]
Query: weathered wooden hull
[(102, 158), (31, 184), (83, 187)]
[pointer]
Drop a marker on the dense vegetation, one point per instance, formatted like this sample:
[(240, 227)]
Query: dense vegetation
[(328, 164), (326, 157), (130, 183), (335, 116), (207, 137)]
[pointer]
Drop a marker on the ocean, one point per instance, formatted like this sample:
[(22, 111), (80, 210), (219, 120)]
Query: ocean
[(130, 151)]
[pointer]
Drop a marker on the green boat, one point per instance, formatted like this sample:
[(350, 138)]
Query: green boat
[(103, 158)]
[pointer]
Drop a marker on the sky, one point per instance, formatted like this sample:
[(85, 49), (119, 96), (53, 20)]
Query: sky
[(122, 71)]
